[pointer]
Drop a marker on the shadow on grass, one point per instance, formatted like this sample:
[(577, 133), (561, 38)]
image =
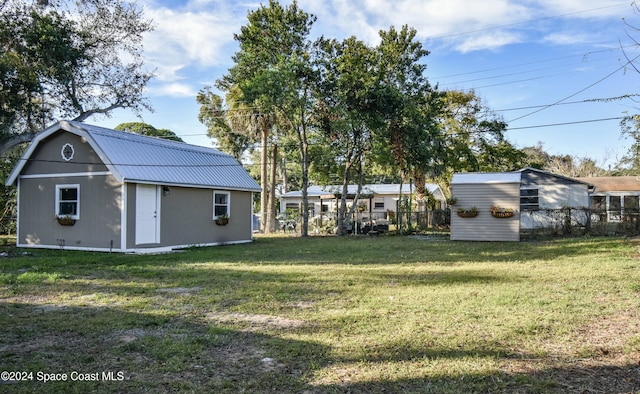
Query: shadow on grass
[(150, 352), (572, 380), (144, 352)]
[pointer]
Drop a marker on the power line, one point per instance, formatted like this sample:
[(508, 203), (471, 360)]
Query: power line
[(570, 71), (570, 102), (565, 123), (578, 92), (583, 56), (528, 21)]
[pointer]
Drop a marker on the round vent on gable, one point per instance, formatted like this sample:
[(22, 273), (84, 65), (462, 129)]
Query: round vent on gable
[(67, 151)]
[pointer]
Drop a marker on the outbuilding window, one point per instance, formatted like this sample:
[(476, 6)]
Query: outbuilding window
[(220, 204), (529, 200), (68, 201)]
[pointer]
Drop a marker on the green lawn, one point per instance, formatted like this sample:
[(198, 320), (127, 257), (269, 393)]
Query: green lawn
[(325, 314)]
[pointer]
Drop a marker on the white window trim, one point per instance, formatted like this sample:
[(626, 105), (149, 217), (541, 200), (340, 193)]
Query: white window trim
[(68, 186), (213, 205)]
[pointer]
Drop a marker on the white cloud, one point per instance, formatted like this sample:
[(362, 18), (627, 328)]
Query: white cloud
[(585, 8), (567, 38), (465, 25), (197, 34), (189, 37), (194, 35), (493, 40), (174, 89), (431, 18)]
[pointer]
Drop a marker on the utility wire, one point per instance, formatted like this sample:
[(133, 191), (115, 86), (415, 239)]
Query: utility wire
[(527, 21), (584, 56), (570, 102), (565, 123), (578, 92)]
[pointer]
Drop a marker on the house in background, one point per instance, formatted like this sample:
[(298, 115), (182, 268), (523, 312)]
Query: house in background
[(528, 194), (91, 188), (375, 199), (614, 195)]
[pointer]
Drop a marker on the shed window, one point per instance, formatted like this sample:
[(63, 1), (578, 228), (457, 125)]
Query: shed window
[(68, 201), (529, 199), (220, 204), (378, 203)]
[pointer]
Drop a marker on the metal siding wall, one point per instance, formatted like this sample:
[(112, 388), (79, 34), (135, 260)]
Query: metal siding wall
[(485, 227), (558, 196)]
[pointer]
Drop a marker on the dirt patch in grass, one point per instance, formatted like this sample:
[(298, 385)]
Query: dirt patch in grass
[(255, 322), (596, 359), (610, 334), (180, 290)]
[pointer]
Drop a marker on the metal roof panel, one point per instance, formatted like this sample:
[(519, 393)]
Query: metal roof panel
[(154, 160), (486, 177)]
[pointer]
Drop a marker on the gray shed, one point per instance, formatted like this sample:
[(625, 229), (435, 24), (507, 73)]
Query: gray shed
[(91, 188), (483, 191)]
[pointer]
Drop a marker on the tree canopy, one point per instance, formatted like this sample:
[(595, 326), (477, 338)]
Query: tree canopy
[(148, 130), (351, 111), (68, 59)]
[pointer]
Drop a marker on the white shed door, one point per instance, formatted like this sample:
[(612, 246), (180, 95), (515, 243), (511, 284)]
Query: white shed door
[(147, 214)]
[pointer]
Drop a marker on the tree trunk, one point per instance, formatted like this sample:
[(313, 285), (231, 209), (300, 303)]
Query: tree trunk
[(285, 176), (304, 157), (263, 179), (271, 210)]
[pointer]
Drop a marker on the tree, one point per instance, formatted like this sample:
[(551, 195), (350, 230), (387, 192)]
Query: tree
[(566, 165), (273, 73), (629, 164), (236, 128), (344, 114), (66, 60), (148, 130), (406, 137), (473, 136)]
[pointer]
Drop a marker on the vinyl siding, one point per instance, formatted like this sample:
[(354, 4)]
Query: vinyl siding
[(46, 159), (485, 227), (186, 218), (99, 224)]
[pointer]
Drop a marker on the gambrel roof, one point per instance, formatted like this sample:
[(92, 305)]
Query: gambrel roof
[(135, 158)]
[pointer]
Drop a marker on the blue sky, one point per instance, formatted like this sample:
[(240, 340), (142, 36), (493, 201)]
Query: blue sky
[(535, 62)]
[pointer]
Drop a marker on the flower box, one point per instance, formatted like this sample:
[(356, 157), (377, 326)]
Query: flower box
[(64, 221), (468, 213), (502, 213), (222, 220)]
